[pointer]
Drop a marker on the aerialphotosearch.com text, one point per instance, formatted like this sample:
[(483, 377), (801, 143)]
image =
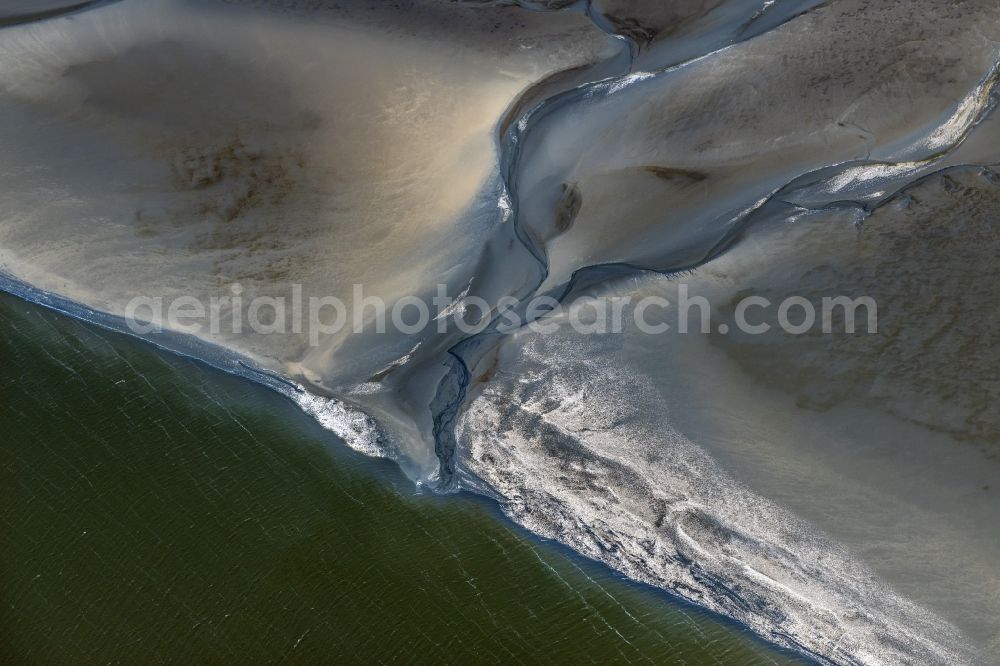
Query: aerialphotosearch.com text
[(233, 312)]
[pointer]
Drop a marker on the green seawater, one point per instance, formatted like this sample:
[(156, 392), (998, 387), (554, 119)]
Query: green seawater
[(155, 510)]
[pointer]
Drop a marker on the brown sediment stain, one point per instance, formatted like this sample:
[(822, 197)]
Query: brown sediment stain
[(669, 173), (380, 375), (236, 145), (213, 186), (632, 29), (230, 199), (488, 374), (649, 21), (386, 371), (568, 207), (236, 178)]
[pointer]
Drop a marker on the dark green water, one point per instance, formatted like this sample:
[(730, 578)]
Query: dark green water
[(153, 510)]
